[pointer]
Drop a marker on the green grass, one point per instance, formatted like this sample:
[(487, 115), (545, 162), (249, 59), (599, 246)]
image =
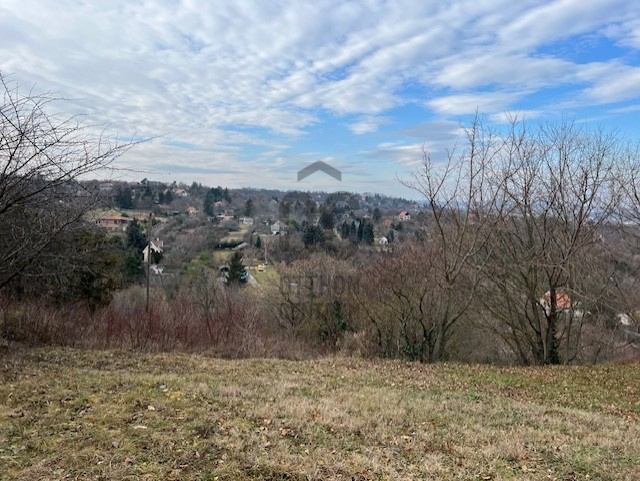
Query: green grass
[(269, 276), (68, 414)]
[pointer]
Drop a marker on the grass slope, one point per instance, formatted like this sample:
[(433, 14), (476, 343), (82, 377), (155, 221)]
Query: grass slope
[(68, 414)]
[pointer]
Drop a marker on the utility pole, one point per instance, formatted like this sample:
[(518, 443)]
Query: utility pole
[(148, 257), (266, 241)]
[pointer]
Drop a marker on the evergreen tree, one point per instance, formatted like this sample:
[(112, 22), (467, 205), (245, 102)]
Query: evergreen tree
[(227, 197), (197, 189), (133, 271), (312, 235), (258, 243), (237, 275), (168, 197), (377, 215), (293, 226), (217, 193), (367, 233), (336, 324), (345, 230), (136, 238), (360, 231), (327, 219), (319, 235), (391, 236), (248, 208), (353, 231), (123, 199), (210, 203)]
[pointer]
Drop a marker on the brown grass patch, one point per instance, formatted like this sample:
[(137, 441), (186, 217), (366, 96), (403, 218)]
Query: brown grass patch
[(69, 414)]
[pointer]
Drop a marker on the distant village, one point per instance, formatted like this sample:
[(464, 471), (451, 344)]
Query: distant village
[(196, 224)]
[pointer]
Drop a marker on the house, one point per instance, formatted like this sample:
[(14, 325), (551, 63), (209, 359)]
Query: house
[(403, 216), (156, 246), (227, 216), (563, 301), (180, 193), (191, 210), (277, 228), (246, 220), (114, 223), (218, 203), (105, 186)]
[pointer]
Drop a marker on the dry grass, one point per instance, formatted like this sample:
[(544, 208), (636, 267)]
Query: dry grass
[(237, 236), (68, 414), (268, 277)]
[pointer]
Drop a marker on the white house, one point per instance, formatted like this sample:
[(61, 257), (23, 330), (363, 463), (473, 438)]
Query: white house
[(276, 228), (156, 246)]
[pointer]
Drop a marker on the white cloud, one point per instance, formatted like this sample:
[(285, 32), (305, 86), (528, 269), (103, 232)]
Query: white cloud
[(624, 110), (468, 103), (242, 76), (621, 84), (510, 116), (548, 22), (368, 124), (406, 155), (625, 33), (471, 71)]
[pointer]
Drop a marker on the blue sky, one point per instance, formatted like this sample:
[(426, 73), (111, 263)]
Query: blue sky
[(246, 93)]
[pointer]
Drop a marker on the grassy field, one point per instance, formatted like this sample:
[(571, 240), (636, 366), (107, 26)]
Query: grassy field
[(68, 414), (269, 276)]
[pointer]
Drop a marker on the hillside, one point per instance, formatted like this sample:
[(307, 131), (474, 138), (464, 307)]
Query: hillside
[(68, 414)]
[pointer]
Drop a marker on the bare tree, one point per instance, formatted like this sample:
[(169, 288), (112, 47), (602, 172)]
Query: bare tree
[(42, 157), (399, 300), (559, 185), (464, 204)]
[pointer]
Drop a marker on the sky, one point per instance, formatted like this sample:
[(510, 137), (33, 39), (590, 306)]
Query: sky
[(246, 93)]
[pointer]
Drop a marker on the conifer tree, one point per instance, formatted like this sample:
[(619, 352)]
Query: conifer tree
[(237, 272)]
